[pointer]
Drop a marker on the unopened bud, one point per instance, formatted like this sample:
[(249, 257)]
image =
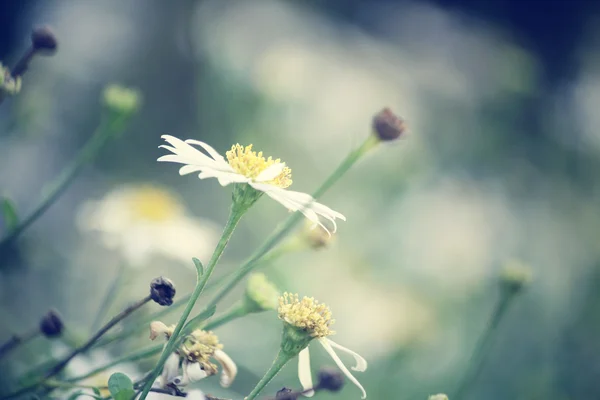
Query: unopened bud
[(162, 291), (51, 324), (43, 40), (261, 294), (330, 379), (440, 396), (285, 394), (316, 237), (387, 126), (121, 100), (514, 276)]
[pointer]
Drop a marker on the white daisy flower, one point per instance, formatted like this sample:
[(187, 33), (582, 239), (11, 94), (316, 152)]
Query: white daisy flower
[(244, 166), (143, 221), (314, 319)]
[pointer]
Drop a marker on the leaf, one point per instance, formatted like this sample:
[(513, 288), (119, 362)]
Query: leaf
[(9, 214), (203, 316), (81, 393), (199, 266), (97, 391), (120, 386)]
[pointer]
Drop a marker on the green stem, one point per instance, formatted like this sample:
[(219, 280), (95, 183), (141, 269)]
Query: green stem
[(60, 384), (278, 364), (283, 229), (234, 218), (138, 355), (479, 355), (109, 297), (101, 135)]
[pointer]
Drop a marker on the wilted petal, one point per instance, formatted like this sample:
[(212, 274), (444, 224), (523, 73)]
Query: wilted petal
[(304, 372), (228, 368), (192, 372), (325, 343), (361, 363), (170, 370)]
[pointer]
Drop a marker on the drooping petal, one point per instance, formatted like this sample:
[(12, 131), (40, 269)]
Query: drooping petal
[(304, 372), (361, 363), (270, 173), (192, 372), (298, 201), (228, 368), (325, 343)]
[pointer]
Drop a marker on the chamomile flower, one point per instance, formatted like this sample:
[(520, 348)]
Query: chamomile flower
[(308, 319), (253, 174), (143, 221)]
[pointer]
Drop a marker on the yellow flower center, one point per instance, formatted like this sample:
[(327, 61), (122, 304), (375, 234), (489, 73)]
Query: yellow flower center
[(150, 203), (250, 164), (306, 314)]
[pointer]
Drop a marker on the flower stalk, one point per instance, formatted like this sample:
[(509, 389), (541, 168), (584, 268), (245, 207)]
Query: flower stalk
[(282, 358), (235, 215)]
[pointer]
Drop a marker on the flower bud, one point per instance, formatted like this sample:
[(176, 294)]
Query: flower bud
[(121, 100), (43, 39), (285, 394), (330, 379), (162, 291), (51, 324), (440, 396), (9, 85), (159, 328), (261, 294), (387, 126), (315, 237), (515, 276)]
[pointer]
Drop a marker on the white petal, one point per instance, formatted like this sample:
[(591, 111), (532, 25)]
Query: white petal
[(209, 149), (304, 372), (228, 368), (195, 394), (361, 363), (325, 343), (270, 173), (192, 372), (170, 369), (183, 153)]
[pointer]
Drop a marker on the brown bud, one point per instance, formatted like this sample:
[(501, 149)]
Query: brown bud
[(330, 379), (51, 324), (387, 126), (43, 39), (162, 291)]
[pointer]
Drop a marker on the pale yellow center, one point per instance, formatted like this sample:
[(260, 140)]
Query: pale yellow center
[(150, 203), (250, 164), (306, 314)]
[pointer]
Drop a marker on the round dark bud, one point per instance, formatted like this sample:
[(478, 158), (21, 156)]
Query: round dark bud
[(387, 126), (44, 40), (51, 324), (162, 291), (286, 394), (330, 379)]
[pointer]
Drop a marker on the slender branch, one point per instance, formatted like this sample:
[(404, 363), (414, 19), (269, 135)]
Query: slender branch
[(109, 297), (18, 340)]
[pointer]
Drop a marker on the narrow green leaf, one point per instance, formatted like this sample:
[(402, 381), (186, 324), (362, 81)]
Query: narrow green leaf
[(9, 214), (97, 391), (199, 266), (120, 386), (81, 393), (203, 316)]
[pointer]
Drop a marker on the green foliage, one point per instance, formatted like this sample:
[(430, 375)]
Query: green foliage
[(9, 214), (120, 386)]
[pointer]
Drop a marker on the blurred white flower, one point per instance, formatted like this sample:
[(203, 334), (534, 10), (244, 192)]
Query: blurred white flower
[(143, 221), (247, 167)]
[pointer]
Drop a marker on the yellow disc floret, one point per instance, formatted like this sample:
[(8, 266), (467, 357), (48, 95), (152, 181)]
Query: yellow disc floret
[(150, 203), (306, 314), (250, 164)]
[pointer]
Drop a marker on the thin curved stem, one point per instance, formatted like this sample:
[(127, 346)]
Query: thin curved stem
[(280, 361)]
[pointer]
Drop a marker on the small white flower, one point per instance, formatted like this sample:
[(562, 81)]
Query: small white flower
[(143, 221), (246, 166), (314, 319)]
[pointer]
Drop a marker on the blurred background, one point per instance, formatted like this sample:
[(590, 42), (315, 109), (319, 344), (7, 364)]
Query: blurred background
[(500, 162)]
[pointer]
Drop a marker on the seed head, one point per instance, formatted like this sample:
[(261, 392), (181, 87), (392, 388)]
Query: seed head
[(330, 379), (43, 40), (51, 324), (162, 291), (387, 126)]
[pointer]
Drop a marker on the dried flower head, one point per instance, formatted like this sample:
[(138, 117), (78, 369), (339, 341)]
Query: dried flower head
[(261, 294), (387, 126), (51, 324), (307, 315), (44, 40), (330, 379), (162, 291)]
